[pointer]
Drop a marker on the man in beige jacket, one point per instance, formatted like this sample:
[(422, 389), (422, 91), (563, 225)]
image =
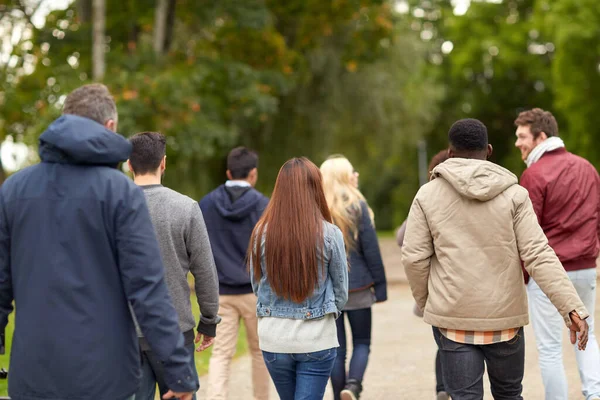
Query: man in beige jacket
[(467, 232)]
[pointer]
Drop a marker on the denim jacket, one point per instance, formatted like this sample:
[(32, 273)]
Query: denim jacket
[(330, 295)]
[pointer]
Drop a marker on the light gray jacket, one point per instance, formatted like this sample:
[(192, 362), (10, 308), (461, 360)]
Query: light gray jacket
[(185, 248)]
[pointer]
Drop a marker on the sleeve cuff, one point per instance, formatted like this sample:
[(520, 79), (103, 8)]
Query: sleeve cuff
[(207, 329), (581, 312), (381, 292)]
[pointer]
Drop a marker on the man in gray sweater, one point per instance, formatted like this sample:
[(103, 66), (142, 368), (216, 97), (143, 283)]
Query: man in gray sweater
[(185, 248)]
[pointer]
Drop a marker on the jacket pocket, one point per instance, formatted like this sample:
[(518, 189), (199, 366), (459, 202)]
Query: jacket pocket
[(449, 345), (515, 345), (514, 340), (320, 355), (269, 357)]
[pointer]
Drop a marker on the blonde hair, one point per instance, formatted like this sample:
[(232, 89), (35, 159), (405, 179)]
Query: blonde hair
[(343, 198)]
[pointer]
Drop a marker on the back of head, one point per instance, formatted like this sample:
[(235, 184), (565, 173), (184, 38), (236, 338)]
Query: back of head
[(343, 197), (241, 161), (292, 226), (468, 138), (148, 151), (538, 121), (467, 169), (92, 101)]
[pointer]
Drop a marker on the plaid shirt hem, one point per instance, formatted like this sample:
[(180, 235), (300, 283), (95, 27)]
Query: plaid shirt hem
[(479, 337)]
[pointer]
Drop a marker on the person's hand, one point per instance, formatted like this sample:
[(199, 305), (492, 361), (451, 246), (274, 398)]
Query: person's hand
[(178, 395), (417, 311), (578, 325), (207, 341)]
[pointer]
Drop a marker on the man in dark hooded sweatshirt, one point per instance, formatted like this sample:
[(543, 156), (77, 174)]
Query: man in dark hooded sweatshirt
[(230, 213), (77, 246)]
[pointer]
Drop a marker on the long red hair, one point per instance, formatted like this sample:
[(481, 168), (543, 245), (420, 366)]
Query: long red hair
[(292, 227)]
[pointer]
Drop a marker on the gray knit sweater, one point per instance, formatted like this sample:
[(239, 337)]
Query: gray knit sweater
[(185, 248)]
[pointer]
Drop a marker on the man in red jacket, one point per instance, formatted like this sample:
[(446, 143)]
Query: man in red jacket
[(565, 192)]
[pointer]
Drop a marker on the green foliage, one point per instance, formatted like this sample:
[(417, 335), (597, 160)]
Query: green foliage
[(574, 27), (514, 55), (308, 77), (287, 78)]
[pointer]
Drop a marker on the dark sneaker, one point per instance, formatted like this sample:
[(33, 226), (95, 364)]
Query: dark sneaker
[(443, 396), (351, 390)]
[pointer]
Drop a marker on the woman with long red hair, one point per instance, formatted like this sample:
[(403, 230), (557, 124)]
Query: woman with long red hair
[(299, 273)]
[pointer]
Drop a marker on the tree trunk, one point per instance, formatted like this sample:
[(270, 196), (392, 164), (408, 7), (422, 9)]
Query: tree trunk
[(98, 40), (160, 26), (170, 26), (84, 10)]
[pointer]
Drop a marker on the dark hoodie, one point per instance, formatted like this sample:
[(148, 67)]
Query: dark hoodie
[(76, 246), (230, 214)]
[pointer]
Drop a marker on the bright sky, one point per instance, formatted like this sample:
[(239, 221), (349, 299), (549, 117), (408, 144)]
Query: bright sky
[(460, 6), (15, 155), (48, 6), (11, 34)]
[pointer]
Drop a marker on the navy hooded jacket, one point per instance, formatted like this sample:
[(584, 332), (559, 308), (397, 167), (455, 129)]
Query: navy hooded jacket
[(76, 247), (230, 214), (366, 264)]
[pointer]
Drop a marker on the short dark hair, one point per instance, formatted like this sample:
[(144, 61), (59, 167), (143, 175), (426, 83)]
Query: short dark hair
[(149, 149), (468, 135), (241, 161), (538, 121), (92, 101)]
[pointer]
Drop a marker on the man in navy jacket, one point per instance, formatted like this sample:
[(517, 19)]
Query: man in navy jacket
[(77, 248), (230, 212)]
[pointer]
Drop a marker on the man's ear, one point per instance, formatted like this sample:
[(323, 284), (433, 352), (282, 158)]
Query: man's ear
[(253, 176), (542, 136), (450, 153), (228, 173), (163, 164), (130, 167), (111, 125), (490, 151)]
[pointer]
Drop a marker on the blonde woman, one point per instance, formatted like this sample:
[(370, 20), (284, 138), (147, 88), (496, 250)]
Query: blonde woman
[(367, 283)]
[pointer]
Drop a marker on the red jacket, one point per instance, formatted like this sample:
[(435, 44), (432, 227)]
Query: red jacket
[(565, 192)]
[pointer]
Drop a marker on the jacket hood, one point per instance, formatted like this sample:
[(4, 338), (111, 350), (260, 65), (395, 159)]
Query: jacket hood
[(475, 179), (239, 208), (76, 140)]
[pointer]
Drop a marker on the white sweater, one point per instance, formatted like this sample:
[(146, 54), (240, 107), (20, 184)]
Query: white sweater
[(284, 335)]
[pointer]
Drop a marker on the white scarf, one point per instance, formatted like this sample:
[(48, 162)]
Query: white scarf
[(550, 144)]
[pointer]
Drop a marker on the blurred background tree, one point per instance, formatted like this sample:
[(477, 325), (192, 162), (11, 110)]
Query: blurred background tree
[(365, 78)]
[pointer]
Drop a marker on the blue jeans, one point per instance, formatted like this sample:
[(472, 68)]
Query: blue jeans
[(439, 378), (463, 367), (301, 376), (360, 324), (548, 326), (153, 373)]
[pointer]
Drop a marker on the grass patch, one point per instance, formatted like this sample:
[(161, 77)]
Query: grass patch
[(201, 359), (386, 234), (4, 358)]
